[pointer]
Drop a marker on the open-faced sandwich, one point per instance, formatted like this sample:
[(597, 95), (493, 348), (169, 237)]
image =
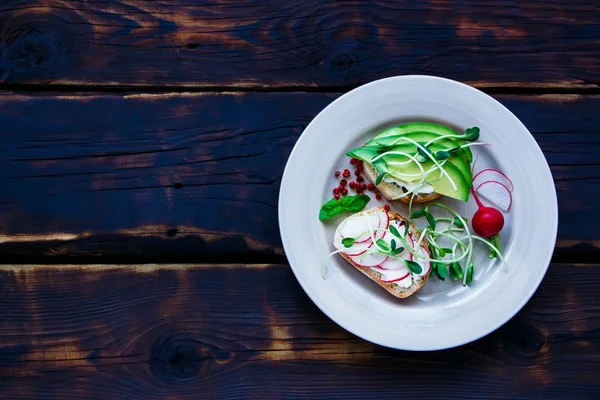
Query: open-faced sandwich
[(419, 161), (385, 247)]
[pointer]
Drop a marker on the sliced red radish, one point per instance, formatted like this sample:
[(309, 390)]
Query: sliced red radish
[(359, 226), (369, 259), (490, 174), (393, 264), (497, 193), (395, 276)]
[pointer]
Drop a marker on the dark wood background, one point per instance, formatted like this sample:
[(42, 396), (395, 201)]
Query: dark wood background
[(141, 149)]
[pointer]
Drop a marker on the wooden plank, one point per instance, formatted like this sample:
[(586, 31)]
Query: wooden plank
[(195, 177), (245, 332), (331, 44)]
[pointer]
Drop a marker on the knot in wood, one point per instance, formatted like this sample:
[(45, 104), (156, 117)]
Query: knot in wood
[(176, 358), (524, 340), (342, 61)]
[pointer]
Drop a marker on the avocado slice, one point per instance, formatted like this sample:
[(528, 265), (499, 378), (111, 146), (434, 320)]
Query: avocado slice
[(421, 132)]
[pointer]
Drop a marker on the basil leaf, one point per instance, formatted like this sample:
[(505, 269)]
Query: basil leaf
[(440, 271), (495, 240), (335, 207), (393, 243), (413, 267), (470, 274), (458, 222), (330, 209), (442, 155), (383, 245), (395, 232), (348, 242), (417, 214), (430, 220), (472, 134), (456, 271), (379, 178)]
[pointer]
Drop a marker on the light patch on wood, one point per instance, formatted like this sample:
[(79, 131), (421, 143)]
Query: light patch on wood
[(467, 28), (42, 237), (128, 267), (67, 355)]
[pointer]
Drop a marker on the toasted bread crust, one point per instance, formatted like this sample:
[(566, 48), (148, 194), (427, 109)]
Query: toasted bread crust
[(389, 191), (392, 288)]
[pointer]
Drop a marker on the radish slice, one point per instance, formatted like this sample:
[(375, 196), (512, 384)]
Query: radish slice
[(369, 260), (354, 250), (355, 226), (396, 276), (393, 264), (497, 193), (490, 174)]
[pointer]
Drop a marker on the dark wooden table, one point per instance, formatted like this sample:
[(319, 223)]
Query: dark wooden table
[(141, 149)]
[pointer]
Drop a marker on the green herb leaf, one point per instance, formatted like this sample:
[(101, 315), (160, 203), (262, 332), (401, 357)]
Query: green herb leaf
[(430, 220), (495, 240), (456, 271), (397, 251), (458, 222), (395, 231), (442, 155), (440, 271), (350, 204), (348, 242), (472, 134), (383, 245), (424, 153), (379, 178), (453, 150), (470, 274), (393, 243), (440, 251), (417, 214), (413, 267), (446, 249)]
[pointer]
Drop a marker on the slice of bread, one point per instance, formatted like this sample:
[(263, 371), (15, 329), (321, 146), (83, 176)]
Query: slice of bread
[(391, 190), (392, 288)]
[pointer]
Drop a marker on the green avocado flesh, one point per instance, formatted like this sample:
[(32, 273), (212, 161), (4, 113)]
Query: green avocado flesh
[(389, 153)]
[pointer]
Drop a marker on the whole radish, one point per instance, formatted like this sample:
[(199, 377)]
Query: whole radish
[(487, 221)]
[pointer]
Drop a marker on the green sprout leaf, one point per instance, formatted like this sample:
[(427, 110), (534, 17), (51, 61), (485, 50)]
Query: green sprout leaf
[(397, 251), (393, 243), (442, 155), (417, 214), (458, 222), (348, 242), (413, 267), (395, 231), (472, 134), (440, 271), (430, 220), (424, 153), (456, 271), (470, 274), (379, 178), (495, 240), (383, 245)]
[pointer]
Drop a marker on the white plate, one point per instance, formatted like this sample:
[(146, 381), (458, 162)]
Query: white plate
[(442, 314)]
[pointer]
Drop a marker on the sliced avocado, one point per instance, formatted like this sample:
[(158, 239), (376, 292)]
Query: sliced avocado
[(442, 185), (365, 153), (421, 132)]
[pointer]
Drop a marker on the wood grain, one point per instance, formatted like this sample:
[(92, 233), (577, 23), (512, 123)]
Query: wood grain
[(245, 332), (195, 177), (333, 44)]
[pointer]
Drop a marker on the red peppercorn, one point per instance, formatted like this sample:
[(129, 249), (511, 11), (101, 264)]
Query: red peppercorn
[(336, 190), (356, 172), (371, 187), (337, 196), (344, 191), (343, 182), (360, 178), (337, 174), (353, 161), (346, 173), (386, 207), (352, 184), (363, 186), (378, 196)]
